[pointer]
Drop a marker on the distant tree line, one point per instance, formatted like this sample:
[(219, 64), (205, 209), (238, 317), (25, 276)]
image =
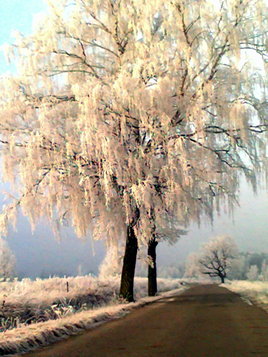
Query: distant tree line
[(220, 258), (251, 266)]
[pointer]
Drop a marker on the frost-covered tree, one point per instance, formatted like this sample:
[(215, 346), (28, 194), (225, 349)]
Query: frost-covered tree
[(192, 267), (239, 268), (112, 262), (216, 257), (126, 115), (264, 271), (253, 273), (7, 261)]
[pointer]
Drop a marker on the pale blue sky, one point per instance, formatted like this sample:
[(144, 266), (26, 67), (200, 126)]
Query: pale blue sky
[(39, 253), (16, 15)]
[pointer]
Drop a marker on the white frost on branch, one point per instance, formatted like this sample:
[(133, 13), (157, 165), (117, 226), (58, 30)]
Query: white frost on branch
[(87, 143), (216, 258)]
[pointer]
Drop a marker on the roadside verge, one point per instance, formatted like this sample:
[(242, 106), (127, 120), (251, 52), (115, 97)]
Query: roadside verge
[(27, 338)]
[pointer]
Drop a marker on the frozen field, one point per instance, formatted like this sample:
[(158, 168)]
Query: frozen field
[(39, 300), (35, 313), (253, 291)]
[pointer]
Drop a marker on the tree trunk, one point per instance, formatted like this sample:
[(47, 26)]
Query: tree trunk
[(128, 271), (222, 278), (152, 272)]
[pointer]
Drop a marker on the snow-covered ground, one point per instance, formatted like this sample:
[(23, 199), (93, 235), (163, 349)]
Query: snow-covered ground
[(46, 291), (254, 291), (53, 313)]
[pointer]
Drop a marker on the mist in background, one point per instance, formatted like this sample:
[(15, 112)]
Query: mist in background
[(40, 254)]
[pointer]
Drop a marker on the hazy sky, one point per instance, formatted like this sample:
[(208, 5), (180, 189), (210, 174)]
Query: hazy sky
[(40, 253), (16, 15)]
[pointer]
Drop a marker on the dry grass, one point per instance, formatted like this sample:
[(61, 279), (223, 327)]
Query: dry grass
[(27, 301), (27, 337), (47, 291), (253, 291), (31, 301)]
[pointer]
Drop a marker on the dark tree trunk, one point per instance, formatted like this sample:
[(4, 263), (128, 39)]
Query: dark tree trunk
[(152, 271), (222, 278), (129, 264)]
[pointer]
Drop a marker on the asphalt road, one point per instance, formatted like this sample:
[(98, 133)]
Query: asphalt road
[(205, 321)]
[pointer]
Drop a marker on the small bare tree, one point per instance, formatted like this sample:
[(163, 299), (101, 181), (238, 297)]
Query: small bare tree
[(217, 256)]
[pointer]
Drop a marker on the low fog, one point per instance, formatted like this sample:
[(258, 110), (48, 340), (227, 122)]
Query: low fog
[(40, 254)]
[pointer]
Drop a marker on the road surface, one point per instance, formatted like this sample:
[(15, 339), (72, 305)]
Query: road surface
[(205, 321)]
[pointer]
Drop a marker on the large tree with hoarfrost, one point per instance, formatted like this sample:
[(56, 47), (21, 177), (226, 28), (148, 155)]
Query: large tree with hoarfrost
[(127, 116)]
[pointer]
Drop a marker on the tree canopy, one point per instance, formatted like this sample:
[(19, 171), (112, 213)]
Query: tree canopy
[(121, 106), (216, 258)]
